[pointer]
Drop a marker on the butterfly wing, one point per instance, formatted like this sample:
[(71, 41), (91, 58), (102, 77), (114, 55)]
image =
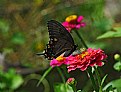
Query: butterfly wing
[(60, 40)]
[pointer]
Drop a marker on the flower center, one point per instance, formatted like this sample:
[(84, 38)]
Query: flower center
[(60, 58), (71, 19), (84, 54)]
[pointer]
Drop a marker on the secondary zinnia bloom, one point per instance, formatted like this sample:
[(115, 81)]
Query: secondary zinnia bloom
[(90, 57), (70, 81), (58, 61), (73, 22)]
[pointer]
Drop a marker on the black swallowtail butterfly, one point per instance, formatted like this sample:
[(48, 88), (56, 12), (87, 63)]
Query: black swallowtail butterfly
[(60, 41)]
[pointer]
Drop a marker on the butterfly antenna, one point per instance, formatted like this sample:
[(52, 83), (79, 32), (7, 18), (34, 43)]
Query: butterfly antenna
[(40, 54)]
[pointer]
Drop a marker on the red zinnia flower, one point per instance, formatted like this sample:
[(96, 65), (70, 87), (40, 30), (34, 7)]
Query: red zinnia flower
[(90, 57)]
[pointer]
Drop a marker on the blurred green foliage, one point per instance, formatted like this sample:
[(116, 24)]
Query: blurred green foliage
[(9, 81), (23, 30), (62, 88)]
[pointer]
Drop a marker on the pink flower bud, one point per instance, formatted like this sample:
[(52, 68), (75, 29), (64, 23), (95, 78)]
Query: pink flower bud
[(70, 81)]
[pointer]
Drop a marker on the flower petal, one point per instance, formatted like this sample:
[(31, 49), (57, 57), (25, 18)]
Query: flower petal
[(80, 18)]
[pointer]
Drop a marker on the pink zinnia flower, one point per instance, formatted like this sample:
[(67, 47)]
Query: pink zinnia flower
[(58, 61), (90, 57), (73, 22)]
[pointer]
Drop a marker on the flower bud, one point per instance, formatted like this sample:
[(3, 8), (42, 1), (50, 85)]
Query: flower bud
[(117, 57), (70, 81)]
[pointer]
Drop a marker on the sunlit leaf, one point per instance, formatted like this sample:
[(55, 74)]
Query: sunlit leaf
[(117, 66), (16, 82), (79, 91), (10, 80), (111, 34), (115, 84), (117, 28), (16, 79), (60, 87)]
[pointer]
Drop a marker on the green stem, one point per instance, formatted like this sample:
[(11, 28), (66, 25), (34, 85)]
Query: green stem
[(98, 78), (120, 60), (92, 79), (81, 39), (37, 77), (61, 74), (44, 75), (67, 75), (89, 69), (63, 78), (74, 87)]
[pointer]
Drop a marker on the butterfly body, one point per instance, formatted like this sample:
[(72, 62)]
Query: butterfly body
[(60, 41)]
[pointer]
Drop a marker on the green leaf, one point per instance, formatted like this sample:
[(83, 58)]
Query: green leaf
[(110, 88), (103, 79), (117, 28), (18, 38), (16, 81), (115, 84), (79, 91), (117, 66), (4, 27), (10, 80), (2, 85), (10, 74), (111, 34), (60, 87)]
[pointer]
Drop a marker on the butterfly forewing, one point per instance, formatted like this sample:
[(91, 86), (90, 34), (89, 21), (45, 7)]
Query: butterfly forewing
[(60, 40), (58, 30)]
